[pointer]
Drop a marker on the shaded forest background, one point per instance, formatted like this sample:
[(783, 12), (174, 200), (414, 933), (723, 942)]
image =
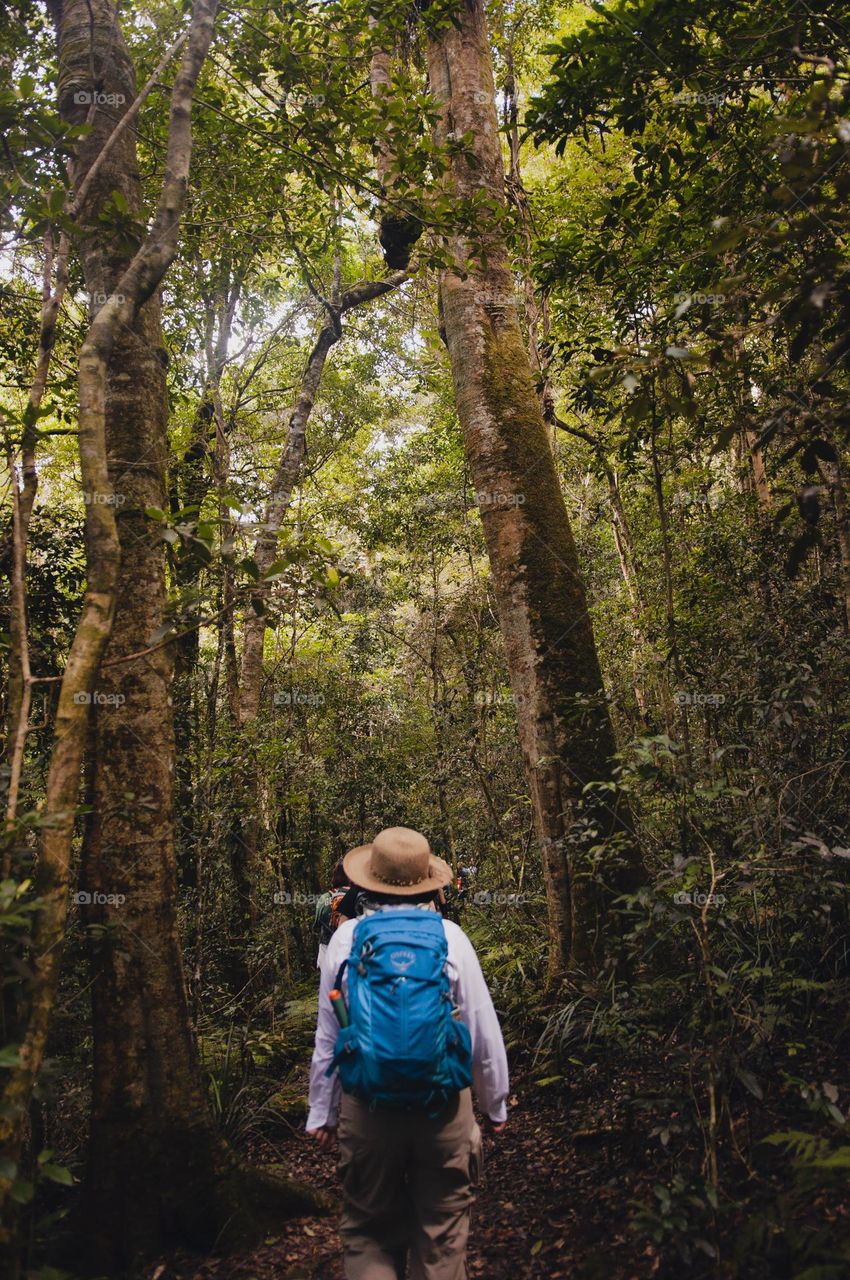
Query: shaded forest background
[(579, 609)]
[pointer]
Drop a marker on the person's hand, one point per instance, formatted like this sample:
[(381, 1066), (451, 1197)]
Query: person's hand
[(494, 1126), (326, 1136)]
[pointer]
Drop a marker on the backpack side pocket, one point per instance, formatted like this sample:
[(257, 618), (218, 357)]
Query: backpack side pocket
[(348, 1061), (458, 1060)]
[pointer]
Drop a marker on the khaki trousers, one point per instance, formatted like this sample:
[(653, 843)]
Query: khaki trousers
[(408, 1183)]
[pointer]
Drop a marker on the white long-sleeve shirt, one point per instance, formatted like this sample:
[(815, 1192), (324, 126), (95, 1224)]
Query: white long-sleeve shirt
[(470, 994)]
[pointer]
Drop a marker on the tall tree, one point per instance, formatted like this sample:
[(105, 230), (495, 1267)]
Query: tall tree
[(135, 277), (156, 1165), (564, 724)]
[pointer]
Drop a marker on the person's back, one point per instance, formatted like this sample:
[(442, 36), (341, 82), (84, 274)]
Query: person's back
[(409, 1157)]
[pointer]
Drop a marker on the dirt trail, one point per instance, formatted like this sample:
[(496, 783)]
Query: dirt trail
[(550, 1206)]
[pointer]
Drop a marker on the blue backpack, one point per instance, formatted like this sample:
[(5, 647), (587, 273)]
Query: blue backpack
[(403, 1046)]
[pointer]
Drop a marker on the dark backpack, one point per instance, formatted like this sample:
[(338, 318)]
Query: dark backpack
[(337, 896), (405, 1046), (327, 914)]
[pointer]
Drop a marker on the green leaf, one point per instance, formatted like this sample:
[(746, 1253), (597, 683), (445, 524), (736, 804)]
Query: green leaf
[(58, 1173), (839, 1159), (749, 1082), (275, 569)]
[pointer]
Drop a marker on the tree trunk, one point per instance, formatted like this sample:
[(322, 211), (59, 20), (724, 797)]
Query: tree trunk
[(246, 829), (565, 729), (833, 477), (191, 479), (626, 555), (23, 501), (759, 472), (116, 314), (157, 1169)]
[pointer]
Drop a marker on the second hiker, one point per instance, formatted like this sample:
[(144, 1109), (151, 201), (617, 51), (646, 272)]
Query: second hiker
[(328, 908)]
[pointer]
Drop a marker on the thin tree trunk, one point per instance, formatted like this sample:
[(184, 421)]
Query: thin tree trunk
[(748, 437), (669, 598), (625, 553), (20, 675), (833, 477), (285, 479), (759, 472), (54, 282), (244, 842), (442, 768), (191, 481), (565, 729)]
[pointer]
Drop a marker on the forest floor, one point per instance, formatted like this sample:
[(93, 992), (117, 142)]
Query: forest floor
[(553, 1203)]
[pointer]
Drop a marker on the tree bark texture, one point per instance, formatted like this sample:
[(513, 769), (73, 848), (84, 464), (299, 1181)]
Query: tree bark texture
[(565, 728)]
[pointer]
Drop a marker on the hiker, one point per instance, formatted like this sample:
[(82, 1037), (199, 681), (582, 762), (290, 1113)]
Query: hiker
[(327, 919), (395, 1082)]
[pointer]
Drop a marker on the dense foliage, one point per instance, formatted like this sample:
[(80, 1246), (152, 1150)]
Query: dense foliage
[(677, 223)]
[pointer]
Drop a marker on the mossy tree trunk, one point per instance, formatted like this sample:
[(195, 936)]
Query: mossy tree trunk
[(157, 1169), (565, 728)]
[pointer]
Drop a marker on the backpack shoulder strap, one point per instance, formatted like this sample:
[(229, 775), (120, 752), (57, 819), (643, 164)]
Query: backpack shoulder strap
[(356, 942)]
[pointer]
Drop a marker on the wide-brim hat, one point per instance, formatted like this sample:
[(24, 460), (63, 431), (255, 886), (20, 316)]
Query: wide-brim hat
[(398, 861)]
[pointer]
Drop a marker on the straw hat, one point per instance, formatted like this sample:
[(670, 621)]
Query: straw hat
[(398, 860)]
